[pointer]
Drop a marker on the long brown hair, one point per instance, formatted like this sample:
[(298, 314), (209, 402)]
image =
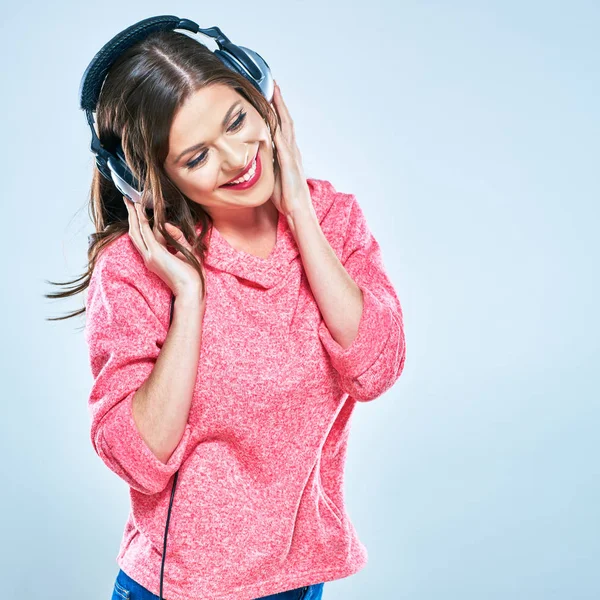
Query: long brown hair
[(137, 103)]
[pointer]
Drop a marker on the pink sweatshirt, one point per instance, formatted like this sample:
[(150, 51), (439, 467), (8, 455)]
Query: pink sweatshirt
[(259, 501)]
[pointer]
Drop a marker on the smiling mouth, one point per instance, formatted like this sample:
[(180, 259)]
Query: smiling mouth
[(250, 165), (250, 179)]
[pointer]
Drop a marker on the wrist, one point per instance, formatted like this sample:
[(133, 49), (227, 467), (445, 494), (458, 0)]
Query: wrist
[(192, 298), (298, 217)]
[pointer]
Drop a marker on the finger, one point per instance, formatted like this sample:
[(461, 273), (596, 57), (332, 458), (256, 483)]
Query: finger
[(282, 145), (282, 106), (158, 235), (177, 235), (284, 153), (163, 241), (145, 230), (291, 146), (286, 117), (134, 227)]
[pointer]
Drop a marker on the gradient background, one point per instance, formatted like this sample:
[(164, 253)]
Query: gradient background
[(469, 132)]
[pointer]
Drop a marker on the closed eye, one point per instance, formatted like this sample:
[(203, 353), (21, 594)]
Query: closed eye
[(235, 126)]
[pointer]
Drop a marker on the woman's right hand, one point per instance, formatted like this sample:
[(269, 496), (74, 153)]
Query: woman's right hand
[(173, 269)]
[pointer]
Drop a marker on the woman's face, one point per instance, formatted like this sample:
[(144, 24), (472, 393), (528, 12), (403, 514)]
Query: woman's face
[(214, 136)]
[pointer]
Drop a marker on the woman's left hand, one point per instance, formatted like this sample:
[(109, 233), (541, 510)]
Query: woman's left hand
[(291, 194)]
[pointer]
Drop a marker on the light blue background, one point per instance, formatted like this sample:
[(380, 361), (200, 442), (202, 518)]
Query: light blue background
[(470, 134)]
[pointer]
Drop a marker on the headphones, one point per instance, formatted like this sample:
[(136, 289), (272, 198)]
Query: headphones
[(112, 164)]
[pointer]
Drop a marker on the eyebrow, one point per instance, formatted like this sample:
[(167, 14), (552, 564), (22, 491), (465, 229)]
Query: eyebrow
[(202, 144)]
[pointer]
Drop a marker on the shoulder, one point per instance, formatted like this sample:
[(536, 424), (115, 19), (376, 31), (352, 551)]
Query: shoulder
[(120, 271), (119, 256), (327, 200), (115, 266), (333, 208)]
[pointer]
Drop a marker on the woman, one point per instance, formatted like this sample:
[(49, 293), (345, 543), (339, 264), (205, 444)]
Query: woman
[(283, 319)]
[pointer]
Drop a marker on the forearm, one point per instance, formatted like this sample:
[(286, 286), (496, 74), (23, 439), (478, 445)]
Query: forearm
[(339, 298), (161, 405)]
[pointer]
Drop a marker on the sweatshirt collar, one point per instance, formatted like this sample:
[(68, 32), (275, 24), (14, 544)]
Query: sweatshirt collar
[(266, 272)]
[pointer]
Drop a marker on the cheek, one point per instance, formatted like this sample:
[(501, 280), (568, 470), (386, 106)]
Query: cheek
[(195, 182), (258, 130)]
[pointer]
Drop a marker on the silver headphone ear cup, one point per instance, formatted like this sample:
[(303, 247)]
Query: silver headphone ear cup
[(264, 84)]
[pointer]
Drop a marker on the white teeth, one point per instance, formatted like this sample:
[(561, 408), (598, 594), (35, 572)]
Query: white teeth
[(247, 176)]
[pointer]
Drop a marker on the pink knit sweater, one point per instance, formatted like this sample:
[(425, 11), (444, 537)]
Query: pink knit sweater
[(259, 502)]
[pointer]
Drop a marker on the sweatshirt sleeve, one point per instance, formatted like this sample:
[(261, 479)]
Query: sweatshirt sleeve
[(374, 360), (124, 337)]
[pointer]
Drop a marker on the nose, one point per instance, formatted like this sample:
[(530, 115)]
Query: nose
[(236, 158)]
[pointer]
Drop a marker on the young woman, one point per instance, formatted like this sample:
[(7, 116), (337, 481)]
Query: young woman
[(283, 319)]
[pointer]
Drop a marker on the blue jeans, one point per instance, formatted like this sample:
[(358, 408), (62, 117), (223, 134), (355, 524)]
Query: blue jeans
[(126, 588)]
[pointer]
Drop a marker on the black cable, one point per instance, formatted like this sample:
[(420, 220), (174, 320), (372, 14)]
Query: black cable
[(162, 566)]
